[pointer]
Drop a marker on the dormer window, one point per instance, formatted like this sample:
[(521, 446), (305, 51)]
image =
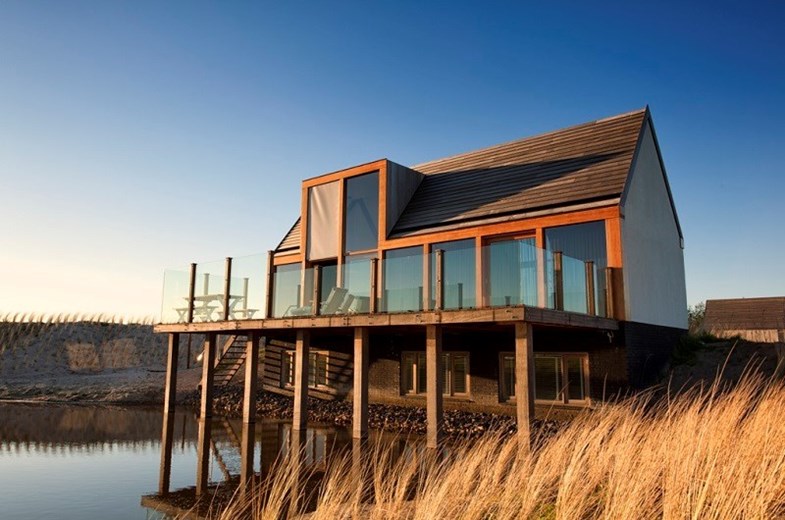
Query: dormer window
[(361, 217)]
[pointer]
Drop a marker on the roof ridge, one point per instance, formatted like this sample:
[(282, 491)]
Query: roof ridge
[(530, 137)]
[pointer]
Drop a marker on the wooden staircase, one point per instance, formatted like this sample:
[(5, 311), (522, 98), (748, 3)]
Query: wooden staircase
[(231, 360)]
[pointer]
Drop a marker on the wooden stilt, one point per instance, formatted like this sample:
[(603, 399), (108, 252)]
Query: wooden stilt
[(170, 390), (301, 361), (167, 439), (247, 454), (208, 369), (251, 375), (202, 456), (167, 433), (360, 392), (433, 372), (524, 378)]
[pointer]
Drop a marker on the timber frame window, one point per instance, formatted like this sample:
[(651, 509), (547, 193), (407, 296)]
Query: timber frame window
[(559, 377), (317, 369), (455, 373)]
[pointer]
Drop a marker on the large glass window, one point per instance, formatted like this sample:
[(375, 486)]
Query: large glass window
[(511, 272), (455, 373), (459, 273), (578, 243), (317, 369), (403, 280), (557, 377), (361, 219)]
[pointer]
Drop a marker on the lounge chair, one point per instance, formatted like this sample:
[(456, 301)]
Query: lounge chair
[(329, 306)]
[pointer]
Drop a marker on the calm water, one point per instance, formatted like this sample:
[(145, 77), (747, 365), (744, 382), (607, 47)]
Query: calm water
[(88, 462)]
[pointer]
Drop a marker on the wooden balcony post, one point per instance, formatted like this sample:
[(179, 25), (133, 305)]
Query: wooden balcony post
[(439, 305), (590, 306), (558, 282), (316, 294), (227, 286), (191, 293), (269, 300), (433, 375), (372, 307), (610, 311)]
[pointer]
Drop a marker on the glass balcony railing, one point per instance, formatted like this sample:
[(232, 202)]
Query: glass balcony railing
[(511, 273), (174, 301)]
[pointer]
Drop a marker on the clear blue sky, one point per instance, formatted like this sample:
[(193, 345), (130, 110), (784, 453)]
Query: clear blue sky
[(136, 136)]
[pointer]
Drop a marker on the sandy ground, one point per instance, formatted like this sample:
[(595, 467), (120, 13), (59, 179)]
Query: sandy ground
[(87, 362), (91, 362)]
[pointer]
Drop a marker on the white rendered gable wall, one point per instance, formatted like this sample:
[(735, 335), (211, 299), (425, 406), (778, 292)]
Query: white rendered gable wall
[(655, 290)]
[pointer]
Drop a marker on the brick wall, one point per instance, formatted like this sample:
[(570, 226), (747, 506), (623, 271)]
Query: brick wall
[(649, 349)]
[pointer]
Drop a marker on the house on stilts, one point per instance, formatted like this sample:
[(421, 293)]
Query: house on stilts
[(544, 272)]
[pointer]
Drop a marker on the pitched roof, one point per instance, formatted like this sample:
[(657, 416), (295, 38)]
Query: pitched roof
[(580, 164), (745, 314), (583, 164), (291, 242)]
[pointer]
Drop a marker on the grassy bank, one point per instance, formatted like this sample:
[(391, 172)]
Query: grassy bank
[(704, 454)]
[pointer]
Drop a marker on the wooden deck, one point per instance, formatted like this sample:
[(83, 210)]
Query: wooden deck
[(533, 315)]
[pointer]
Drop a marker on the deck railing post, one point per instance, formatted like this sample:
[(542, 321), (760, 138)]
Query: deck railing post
[(268, 311), (191, 293), (372, 304), (558, 281), (227, 286), (590, 306), (610, 311), (317, 290), (439, 305)]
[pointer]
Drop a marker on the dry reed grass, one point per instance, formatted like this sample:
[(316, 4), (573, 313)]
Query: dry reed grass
[(708, 453)]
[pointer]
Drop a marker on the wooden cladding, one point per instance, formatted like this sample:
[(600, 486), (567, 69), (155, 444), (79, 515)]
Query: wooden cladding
[(338, 370)]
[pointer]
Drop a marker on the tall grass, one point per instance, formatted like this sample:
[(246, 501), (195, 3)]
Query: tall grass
[(703, 454)]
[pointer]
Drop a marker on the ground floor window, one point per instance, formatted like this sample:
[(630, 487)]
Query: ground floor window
[(558, 377), (455, 373), (317, 369)]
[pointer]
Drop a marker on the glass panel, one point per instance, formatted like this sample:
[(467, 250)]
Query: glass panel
[(403, 279), (547, 377), (575, 390), (581, 242), (444, 365), (508, 376), (422, 385), (361, 225), (321, 369), (287, 289), (574, 279), (287, 368), (331, 297), (407, 369), (459, 274), (248, 287), (511, 272), (312, 369), (209, 291), (357, 281), (174, 302), (460, 371)]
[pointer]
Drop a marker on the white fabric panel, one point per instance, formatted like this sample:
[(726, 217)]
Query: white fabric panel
[(323, 221)]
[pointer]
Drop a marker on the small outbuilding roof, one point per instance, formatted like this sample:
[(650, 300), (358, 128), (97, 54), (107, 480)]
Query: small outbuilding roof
[(745, 314)]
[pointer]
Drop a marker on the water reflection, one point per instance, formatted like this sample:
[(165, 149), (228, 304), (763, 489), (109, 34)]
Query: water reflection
[(97, 462)]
